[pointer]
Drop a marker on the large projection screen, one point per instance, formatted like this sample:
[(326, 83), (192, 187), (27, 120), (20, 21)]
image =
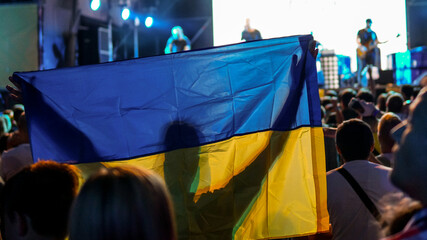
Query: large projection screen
[(334, 23), (18, 39)]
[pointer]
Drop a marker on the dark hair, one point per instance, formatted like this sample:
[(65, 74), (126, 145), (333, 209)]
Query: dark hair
[(123, 203), (44, 192), (394, 103), (349, 113), (381, 102), (346, 95), (331, 120), (331, 93), (325, 101), (368, 20), (366, 95), (407, 91), (354, 140)]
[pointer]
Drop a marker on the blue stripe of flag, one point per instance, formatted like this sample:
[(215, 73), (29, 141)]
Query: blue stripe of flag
[(121, 110)]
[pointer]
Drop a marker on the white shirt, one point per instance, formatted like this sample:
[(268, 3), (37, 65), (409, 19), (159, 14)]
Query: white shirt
[(14, 159), (349, 217)]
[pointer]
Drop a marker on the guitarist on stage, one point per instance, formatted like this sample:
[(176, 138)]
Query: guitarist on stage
[(367, 50)]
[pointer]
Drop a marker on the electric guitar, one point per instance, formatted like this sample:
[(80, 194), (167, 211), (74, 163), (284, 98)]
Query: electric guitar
[(366, 48)]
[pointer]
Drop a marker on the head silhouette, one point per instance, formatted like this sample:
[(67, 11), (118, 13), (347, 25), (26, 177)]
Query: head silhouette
[(123, 203)]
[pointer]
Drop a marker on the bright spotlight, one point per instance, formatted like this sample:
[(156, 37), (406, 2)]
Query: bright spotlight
[(95, 4), (125, 13), (149, 22)]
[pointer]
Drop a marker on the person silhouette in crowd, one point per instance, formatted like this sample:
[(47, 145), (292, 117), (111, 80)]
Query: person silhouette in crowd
[(35, 203), (18, 154), (409, 172), (350, 217), (387, 122), (123, 203)]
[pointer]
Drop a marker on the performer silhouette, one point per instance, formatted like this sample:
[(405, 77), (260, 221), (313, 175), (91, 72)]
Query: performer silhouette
[(367, 51), (250, 34), (177, 42)]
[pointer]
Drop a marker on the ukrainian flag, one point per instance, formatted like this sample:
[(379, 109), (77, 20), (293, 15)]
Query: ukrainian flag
[(235, 131)]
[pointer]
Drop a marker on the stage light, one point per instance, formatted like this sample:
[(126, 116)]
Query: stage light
[(95, 4), (137, 22), (125, 13), (149, 22)]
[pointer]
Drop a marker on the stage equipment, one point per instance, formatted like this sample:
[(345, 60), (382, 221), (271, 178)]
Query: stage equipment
[(408, 67)]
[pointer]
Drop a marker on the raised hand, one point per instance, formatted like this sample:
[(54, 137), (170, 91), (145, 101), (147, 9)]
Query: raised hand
[(15, 91)]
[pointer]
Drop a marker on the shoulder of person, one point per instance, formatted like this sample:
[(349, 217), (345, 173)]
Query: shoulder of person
[(380, 167), (332, 173), (19, 148)]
